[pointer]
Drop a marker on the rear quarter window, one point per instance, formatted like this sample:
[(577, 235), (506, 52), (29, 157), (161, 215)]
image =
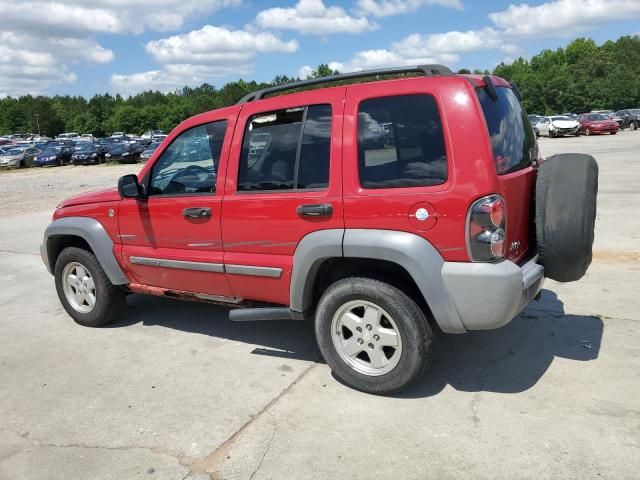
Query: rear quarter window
[(400, 142), (511, 134)]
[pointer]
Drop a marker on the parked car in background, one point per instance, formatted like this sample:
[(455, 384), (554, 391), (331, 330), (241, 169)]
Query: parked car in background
[(597, 123), (86, 137), (54, 156), (146, 154), (68, 136), (18, 157), (630, 118), (533, 120), (125, 153), (89, 153), (557, 126)]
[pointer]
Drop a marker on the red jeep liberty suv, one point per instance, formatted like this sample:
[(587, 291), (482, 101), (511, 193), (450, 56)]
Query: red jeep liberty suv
[(384, 211)]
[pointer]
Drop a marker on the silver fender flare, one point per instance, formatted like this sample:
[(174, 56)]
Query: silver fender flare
[(413, 253), (92, 231)]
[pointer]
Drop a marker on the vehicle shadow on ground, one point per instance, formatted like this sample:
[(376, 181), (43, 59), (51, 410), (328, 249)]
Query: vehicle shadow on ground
[(286, 339), (513, 358)]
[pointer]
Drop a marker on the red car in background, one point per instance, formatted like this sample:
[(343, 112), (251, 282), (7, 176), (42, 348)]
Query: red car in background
[(592, 123)]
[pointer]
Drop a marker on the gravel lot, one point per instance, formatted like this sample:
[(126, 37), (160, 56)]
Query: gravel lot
[(177, 391), (38, 189)]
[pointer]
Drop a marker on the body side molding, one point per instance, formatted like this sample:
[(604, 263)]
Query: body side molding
[(95, 235)]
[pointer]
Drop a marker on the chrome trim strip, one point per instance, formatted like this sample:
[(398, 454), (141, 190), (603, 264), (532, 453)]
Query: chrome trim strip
[(253, 271), (178, 264)]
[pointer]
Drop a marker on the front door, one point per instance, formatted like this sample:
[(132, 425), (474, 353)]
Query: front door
[(284, 181), (171, 239)]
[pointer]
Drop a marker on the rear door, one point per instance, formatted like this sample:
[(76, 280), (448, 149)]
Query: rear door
[(284, 181), (514, 151)]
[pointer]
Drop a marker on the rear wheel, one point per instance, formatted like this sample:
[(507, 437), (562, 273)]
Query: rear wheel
[(373, 336), (613, 133), (633, 126), (84, 289)]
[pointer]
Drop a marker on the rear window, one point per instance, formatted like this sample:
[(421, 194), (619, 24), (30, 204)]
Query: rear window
[(512, 137), (400, 142)]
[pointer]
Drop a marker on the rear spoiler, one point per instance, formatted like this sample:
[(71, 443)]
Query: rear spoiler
[(490, 88)]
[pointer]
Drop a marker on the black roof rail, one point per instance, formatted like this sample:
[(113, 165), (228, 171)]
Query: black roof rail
[(426, 70)]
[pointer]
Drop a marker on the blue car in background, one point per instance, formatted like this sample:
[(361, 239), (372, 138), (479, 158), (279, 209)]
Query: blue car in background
[(53, 157)]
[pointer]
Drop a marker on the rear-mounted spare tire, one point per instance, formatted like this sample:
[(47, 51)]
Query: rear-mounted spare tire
[(566, 191)]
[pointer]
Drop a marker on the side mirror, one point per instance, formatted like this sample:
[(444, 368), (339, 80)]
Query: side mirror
[(128, 187)]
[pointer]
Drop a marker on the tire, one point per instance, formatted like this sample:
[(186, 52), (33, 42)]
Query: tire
[(406, 361), (633, 126), (587, 132), (110, 300), (613, 133), (566, 191)]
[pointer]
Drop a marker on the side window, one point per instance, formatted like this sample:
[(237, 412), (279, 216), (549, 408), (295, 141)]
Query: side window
[(400, 142), (511, 135), (190, 164), (286, 150)]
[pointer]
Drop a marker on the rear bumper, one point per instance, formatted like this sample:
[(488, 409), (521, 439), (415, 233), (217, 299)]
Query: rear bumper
[(488, 295)]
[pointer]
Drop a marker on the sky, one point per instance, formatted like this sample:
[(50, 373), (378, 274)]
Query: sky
[(84, 47)]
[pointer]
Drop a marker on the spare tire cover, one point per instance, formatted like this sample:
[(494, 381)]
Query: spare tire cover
[(566, 191)]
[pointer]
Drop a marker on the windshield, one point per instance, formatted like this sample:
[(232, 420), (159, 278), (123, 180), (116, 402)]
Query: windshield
[(52, 151), (85, 148), (596, 117), (560, 118), (13, 151)]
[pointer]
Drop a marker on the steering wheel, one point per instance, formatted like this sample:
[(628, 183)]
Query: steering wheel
[(196, 170), (175, 185)]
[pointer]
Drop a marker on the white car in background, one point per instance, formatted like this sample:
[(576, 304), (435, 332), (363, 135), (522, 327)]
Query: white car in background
[(68, 136), (558, 126)]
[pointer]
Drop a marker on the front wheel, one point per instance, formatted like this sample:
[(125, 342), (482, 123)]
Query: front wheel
[(84, 289), (374, 337), (587, 132), (633, 126)]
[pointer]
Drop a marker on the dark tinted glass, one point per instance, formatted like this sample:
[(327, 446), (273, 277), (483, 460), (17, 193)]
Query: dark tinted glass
[(313, 171), (512, 137), (190, 164), (280, 153), (400, 142)]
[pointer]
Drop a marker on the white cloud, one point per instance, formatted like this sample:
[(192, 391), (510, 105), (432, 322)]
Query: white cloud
[(562, 17), (382, 58), (385, 8), (420, 49), (313, 17), (216, 44), (200, 56), (453, 42), (80, 17), (45, 38)]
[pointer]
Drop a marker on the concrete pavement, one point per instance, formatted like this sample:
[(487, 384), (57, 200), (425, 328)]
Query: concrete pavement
[(175, 390)]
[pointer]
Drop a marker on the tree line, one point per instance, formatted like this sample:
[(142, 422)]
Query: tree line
[(581, 77)]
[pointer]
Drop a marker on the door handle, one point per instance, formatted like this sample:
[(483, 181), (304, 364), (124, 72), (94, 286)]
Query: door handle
[(196, 212), (315, 210)]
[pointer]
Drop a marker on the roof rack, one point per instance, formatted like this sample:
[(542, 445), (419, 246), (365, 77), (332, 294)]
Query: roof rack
[(426, 70)]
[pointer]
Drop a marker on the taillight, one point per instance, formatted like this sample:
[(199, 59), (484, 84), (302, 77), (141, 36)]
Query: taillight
[(486, 229)]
